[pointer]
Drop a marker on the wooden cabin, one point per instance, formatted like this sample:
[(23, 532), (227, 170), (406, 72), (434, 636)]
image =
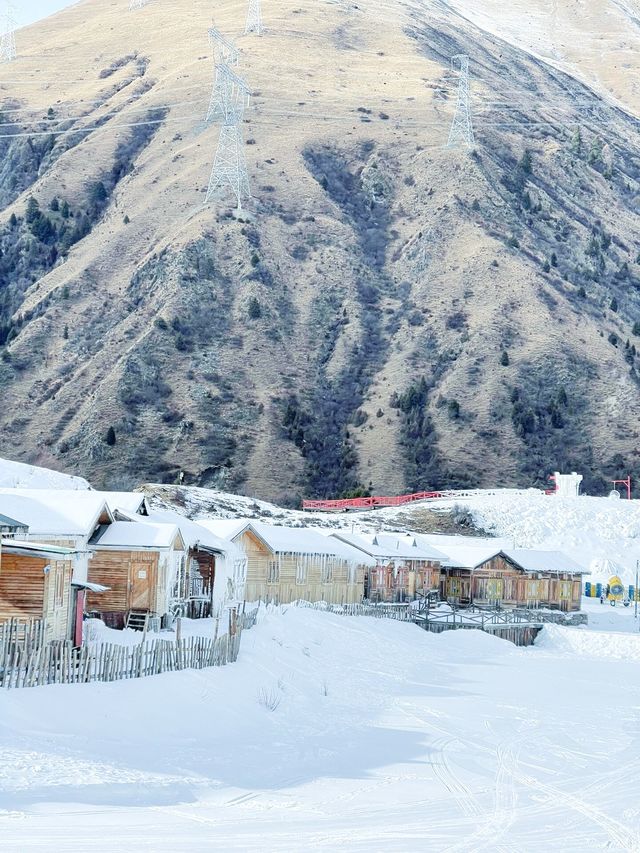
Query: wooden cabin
[(285, 564), (213, 573), (35, 583), (138, 562), (403, 571), (512, 578)]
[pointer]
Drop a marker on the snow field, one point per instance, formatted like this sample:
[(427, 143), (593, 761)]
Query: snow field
[(335, 733)]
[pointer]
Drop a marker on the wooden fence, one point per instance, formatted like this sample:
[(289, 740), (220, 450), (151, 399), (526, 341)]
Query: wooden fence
[(402, 613), (27, 661)]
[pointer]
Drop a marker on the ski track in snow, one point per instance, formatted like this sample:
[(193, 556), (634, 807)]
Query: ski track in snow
[(457, 742)]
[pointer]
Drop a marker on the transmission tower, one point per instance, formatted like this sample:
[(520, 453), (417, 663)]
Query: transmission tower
[(224, 53), (8, 40), (229, 165), (254, 18), (461, 132)]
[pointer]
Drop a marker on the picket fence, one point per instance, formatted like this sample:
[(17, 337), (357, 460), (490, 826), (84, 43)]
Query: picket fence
[(26, 660), (402, 613)]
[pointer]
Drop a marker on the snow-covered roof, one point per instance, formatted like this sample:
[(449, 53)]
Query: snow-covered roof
[(127, 501), (468, 556), (133, 535), (5, 521), (194, 534), (303, 540), (387, 546), (528, 559), (225, 528), (442, 541), (544, 561), (17, 546), (395, 544), (54, 512)]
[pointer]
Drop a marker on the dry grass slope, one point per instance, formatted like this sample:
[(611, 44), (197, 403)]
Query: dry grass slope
[(149, 323)]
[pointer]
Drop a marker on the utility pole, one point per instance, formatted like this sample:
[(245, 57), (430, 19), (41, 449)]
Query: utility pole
[(254, 18), (229, 165), (8, 40), (461, 132), (224, 53)]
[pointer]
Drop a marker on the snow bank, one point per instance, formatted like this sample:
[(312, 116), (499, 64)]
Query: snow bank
[(18, 475), (591, 644)]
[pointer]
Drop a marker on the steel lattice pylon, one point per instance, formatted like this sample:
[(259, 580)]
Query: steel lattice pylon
[(229, 165), (8, 40), (254, 18), (224, 53), (461, 132)]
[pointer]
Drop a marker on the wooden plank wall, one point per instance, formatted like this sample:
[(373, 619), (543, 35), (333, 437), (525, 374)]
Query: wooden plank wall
[(27, 592), (343, 588), (113, 569)]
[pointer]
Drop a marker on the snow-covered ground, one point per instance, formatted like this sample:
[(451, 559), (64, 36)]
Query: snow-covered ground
[(18, 475), (380, 737)]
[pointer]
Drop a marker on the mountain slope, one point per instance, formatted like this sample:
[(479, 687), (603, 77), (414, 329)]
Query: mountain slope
[(388, 312)]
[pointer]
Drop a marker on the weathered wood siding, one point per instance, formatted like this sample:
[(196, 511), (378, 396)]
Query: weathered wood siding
[(116, 569), (499, 581), (26, 591), (287, 577), (402, 582)]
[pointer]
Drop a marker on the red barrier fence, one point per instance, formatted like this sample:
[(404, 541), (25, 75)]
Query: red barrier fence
[(346, 504)]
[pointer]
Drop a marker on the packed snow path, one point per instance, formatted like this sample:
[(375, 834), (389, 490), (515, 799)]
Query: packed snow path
[(338, 733)]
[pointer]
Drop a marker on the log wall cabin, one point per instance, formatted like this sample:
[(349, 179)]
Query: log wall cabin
[(514, 578), (139, 563), (286, 564), (35, 583)]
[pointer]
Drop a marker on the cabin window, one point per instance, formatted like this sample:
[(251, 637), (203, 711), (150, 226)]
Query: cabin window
[(59, 587), (565, 589), (273, 572), (326, 572), (352, 573)]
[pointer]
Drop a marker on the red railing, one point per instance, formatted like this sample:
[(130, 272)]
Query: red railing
[(346, 504)]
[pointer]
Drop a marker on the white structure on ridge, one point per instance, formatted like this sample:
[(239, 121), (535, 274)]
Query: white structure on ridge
[(461, 132), (254, 18), (137, 4), (567, 485), (8, 40)]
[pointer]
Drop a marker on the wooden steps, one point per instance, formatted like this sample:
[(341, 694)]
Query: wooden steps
[(138, 620)]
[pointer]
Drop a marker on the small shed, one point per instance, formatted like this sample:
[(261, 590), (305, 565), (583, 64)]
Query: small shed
[(138, 562), (35, 583), (290, 563)]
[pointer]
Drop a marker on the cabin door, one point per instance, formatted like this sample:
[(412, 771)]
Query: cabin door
[(140, 586)]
